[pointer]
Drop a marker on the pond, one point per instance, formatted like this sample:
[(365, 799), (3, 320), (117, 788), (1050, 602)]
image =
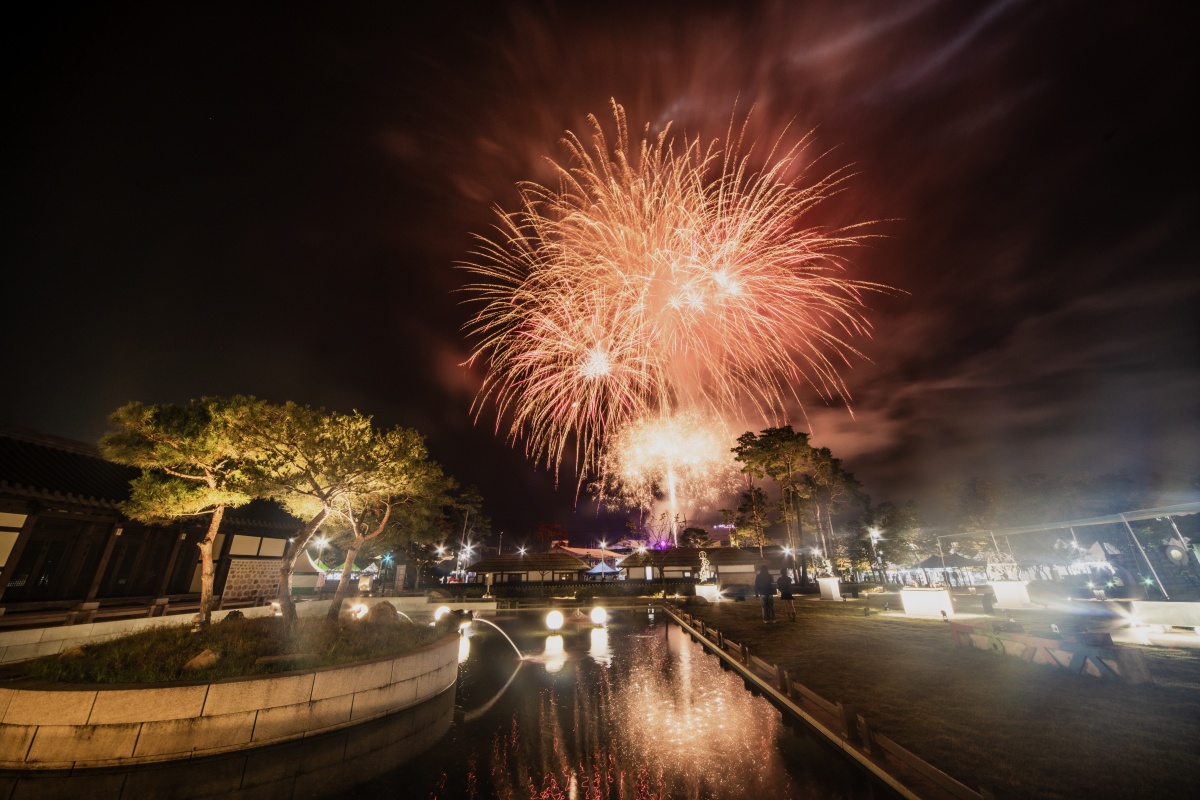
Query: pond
[(629, 709)]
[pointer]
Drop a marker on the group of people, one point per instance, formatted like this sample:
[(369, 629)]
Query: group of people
[(764, 587)]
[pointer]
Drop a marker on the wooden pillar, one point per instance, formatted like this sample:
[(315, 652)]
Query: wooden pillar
[(850, 722), (18, 549), (170, 570), (103, 565), (77, 556), (867, 737)]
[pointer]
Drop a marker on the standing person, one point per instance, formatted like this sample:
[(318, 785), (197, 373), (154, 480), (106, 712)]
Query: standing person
[(785, 594), (764, 587)]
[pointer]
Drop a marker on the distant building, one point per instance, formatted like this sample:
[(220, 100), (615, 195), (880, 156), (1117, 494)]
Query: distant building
[(516, 568)]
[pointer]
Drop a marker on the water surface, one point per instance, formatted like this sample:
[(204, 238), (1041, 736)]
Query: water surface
[(632, 709)]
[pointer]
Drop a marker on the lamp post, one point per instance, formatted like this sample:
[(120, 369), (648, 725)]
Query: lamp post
[(874, 532)]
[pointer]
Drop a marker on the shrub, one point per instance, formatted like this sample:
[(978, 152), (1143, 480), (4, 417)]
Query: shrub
[(158, 654)]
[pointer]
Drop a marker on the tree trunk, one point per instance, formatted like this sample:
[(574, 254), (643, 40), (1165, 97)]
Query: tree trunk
[(822, 521), (832, 536), (335, 605), (206, 565), (286, 604)]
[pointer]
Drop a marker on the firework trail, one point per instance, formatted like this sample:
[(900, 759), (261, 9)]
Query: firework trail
[(659, 275)]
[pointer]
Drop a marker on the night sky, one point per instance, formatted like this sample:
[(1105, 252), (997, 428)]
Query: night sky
[(268, 199)]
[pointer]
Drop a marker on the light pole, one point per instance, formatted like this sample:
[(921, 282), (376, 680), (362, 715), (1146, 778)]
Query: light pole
[(874, 548)]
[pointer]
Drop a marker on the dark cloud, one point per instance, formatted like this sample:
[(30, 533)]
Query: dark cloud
[(217, 200)]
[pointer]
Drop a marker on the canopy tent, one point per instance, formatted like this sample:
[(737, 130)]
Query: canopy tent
[(602, 569), (306, 566), (949, 561)]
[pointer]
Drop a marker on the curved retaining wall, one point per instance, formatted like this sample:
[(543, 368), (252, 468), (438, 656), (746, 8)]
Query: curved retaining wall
[(64, 728)]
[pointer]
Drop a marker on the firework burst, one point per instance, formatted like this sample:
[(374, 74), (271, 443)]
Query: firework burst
[(682, 459), (658, 276)]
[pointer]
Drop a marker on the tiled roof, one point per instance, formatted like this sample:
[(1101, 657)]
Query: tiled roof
[(690, 557), (531, 562), (52, 468)]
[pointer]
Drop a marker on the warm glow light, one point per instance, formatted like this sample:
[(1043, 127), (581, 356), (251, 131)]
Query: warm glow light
[(555, 655), (359, 611), (599, 615), (554, 620), (598, 647), (683, 458), (596, 364), (927, 602), (441, 612)]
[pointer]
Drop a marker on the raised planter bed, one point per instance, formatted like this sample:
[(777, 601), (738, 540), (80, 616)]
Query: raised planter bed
[(53, 727)]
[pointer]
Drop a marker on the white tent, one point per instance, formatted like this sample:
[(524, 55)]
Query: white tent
[(602, 569)]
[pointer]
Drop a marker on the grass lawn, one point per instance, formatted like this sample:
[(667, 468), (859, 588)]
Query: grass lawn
[(1021, 730), (157, 655)]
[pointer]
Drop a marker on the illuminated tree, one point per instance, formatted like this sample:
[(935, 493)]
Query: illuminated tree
[(317, 464), (785, 456), (831, 489), (748, 522), (192, 464), (410, 489), (694, 537)]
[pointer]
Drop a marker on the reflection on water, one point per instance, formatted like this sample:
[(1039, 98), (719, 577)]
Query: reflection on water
[(631, 710), (599, 650), (628, 710), (634, 710)]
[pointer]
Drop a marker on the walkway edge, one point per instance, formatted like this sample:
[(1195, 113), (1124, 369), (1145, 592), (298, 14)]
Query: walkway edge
[(876, 766)]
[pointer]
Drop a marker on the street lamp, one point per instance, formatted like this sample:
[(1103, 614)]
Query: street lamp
[(464, 558), (875, 536)]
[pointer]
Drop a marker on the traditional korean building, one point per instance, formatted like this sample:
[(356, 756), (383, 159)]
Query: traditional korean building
[(515, 568), (64, 541), (725, 566)]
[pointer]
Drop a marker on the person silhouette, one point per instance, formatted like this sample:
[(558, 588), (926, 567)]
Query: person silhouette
[(764, 587)]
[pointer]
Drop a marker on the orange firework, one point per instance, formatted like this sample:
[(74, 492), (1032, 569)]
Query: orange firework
[(683, 460), (673, 275)]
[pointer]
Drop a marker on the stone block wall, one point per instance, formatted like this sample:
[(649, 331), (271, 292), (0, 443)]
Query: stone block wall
[(53, 727), (251, 579)]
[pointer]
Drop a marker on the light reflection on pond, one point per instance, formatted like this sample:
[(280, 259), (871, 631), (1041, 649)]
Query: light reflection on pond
[(628, 710)]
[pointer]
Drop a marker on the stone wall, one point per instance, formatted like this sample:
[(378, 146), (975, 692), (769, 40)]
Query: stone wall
[(53, 727), (250, 579)]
